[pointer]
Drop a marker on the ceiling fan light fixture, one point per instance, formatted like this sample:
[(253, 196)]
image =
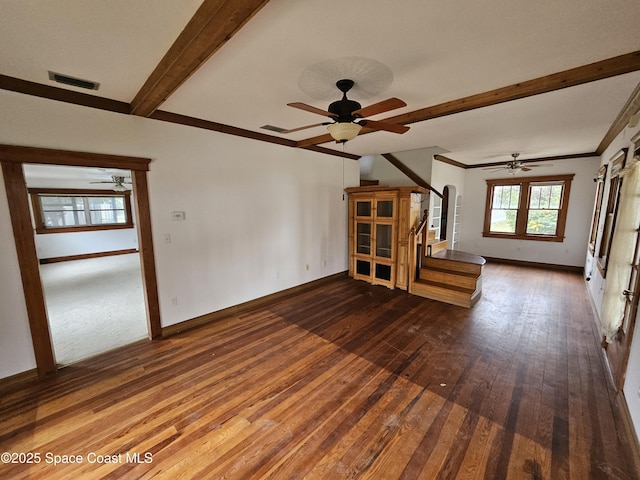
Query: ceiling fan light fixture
[(118, 187), (344, 131)]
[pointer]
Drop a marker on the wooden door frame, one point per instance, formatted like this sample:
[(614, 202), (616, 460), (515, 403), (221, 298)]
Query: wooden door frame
[(12, 158)]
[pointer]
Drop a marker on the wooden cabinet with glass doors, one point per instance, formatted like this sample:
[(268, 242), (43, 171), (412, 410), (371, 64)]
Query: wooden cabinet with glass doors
[(380, 219)]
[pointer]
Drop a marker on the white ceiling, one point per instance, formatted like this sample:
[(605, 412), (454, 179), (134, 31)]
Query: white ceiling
[(438, 51)]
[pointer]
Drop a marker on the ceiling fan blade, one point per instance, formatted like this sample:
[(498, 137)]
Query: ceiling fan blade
[(495, 168), (389, 127), (380, 107), (525, 169), (304, 128), (309, 108)]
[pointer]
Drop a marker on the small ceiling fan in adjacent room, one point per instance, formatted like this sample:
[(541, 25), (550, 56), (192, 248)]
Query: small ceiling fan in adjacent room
[(118, 183), (348, 116), (515, 165)]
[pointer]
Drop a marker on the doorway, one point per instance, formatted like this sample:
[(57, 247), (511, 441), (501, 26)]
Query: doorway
[(444, 214), (12, 159), (86, 243)]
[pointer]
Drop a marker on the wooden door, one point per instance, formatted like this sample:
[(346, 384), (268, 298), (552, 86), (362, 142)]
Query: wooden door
[(618, 351)]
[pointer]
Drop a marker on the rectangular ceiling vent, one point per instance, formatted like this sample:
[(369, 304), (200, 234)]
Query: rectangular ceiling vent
[(75, 82), (274, 129)]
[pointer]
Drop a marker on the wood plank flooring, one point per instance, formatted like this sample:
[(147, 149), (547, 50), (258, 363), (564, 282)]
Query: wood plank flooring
[(347, 380)]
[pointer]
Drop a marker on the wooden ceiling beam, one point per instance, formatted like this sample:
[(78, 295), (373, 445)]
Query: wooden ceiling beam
[(592, 72), (395, 161), (572, 156), (213, 24)]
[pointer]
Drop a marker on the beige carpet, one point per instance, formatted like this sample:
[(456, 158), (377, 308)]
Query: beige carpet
[(94, 305)]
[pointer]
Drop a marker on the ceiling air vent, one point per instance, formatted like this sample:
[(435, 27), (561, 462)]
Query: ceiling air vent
[(75, 82), (274, 129)]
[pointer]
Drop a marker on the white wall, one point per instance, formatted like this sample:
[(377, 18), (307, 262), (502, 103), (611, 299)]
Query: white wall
[(256, 213), (444, 174), (419, 161), (53, 245), (570, 252)]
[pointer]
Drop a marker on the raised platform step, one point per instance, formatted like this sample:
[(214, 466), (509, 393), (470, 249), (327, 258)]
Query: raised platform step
[(454, 260), (448, 277), (463, 297), (452, 277)]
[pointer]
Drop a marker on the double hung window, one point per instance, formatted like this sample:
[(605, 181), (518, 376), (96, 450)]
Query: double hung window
[(69, 210), (528, 208)]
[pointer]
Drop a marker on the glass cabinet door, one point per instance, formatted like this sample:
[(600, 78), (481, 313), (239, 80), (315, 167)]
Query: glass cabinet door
[(363, 208), (384, 237), (384, 208), (363, 238)]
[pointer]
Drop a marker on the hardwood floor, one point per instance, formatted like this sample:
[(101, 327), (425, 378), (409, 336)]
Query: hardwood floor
[(347, 380)]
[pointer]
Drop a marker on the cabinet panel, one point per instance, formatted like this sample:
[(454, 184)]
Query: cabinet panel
[(363, 268)]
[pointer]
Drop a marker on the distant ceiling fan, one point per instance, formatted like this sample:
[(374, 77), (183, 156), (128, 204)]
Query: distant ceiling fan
[(118, 183), (515, 165), (348, 116)]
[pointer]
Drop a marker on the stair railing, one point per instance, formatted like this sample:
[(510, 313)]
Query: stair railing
[(417, 249)]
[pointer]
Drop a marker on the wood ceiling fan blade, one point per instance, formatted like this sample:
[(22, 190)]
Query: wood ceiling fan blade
[(304, 128), (380, 107), (389, 127), (525, 169), (309, 108)]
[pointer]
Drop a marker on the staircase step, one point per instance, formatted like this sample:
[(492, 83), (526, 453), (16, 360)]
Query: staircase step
[(436, 246), (463, 297), (439, 260), (449, 277)]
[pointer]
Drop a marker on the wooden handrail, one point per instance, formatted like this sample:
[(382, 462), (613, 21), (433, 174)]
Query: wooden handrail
[(414, 234)]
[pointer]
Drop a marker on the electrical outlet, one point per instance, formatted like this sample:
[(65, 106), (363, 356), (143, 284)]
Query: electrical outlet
[(306, 267), (167, 238), (174, 301)]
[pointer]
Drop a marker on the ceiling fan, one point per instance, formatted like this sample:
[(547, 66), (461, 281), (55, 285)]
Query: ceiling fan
[(348, 116), (118, 182), (515, 165)]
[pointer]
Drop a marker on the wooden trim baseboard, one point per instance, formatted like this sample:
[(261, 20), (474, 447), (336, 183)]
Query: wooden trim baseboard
[(19, 378), (236, 309), (629, 430), (523, 263), (85, 256)]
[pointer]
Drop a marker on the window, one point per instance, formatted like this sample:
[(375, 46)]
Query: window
[(529, 208), (67, 210), (611, 212), (593, 236)]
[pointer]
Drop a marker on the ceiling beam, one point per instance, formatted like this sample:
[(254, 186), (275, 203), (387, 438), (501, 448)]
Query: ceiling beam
[(395, 161), (622, 120), (539, 159), (213, 24), (592, 72), (450, 161), (26, 87)]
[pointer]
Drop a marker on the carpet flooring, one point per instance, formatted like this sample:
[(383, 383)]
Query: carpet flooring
[(94, 305)]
